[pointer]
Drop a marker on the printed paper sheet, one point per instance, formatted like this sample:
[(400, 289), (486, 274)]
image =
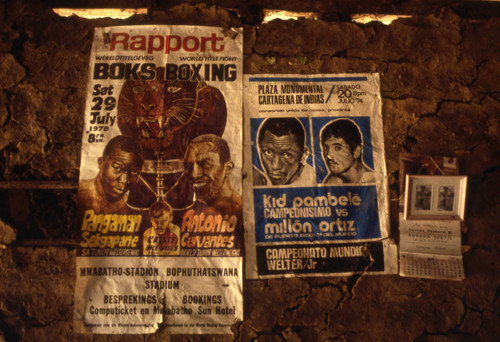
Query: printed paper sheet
[(316, 176), (160, 182)]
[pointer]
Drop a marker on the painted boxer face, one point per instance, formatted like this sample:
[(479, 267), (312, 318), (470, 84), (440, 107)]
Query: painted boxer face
[(281, 157)]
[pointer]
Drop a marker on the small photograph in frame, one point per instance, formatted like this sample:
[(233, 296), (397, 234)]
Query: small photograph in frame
[(423, 197), (446, 198), (435, 197)]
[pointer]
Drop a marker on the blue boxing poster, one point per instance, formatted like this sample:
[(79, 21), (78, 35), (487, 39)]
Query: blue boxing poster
[(315, 166)]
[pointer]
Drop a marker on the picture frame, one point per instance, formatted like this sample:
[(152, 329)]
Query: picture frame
[(435, 197)]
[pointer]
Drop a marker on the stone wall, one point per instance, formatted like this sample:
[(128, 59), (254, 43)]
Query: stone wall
[(441, 96)]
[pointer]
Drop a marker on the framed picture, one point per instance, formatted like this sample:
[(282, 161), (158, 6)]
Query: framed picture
[(435, 197)]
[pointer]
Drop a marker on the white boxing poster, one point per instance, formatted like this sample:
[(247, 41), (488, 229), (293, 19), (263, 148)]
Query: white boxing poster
[(160, 191)]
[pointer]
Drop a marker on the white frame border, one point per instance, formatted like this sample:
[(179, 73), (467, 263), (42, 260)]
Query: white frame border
[(458, 212)]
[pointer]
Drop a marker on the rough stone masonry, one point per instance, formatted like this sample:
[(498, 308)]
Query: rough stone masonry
[(441, 96)]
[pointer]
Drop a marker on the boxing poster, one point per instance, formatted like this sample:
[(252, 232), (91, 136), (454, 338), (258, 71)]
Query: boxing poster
[(314, 160), (159, 199)]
